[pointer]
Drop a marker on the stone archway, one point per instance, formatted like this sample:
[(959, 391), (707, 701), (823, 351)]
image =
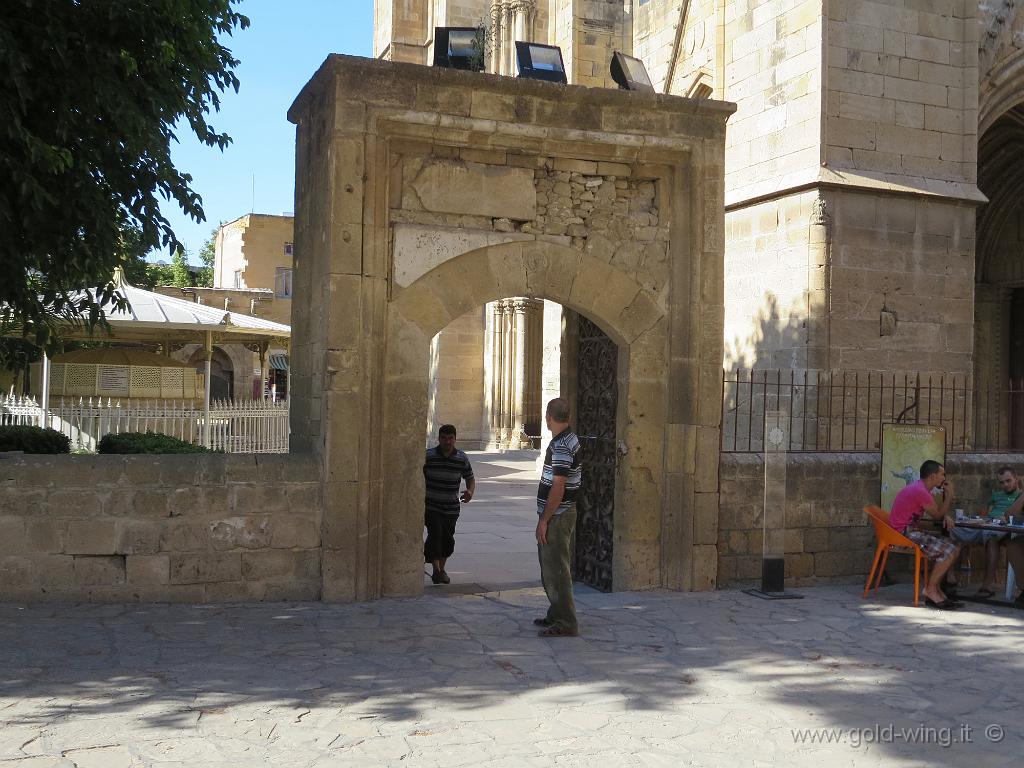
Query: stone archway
[(611, 299), (424, 193), (222, 372)]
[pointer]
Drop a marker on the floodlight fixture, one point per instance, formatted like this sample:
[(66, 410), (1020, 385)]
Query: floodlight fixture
[(630, 73), (540, 62), (458, 48)]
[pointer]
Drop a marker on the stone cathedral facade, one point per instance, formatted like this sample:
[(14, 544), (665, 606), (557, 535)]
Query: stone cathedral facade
[(874, 174)]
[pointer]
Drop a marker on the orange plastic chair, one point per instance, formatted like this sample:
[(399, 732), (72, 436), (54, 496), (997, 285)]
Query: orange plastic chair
[(891, 540)]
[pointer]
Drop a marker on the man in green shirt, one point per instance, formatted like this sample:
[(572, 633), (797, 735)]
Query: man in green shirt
[(998, 506)]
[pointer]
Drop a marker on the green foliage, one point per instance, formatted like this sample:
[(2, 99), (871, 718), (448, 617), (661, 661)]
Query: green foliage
[(16, 354), (92, 97), (178, 273), (132, 251), (148, 442), (33, 440), (483, 44), (207, 255), (181, 275)]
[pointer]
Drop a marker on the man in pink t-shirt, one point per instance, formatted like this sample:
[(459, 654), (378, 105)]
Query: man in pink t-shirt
[(908, 507)]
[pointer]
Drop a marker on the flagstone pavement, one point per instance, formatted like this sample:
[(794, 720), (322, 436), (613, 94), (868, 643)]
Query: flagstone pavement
[(460, 678)]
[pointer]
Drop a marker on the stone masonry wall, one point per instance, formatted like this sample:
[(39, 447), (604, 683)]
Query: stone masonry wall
[(607, 210), (902, 95), (828, 536), (189, 528)]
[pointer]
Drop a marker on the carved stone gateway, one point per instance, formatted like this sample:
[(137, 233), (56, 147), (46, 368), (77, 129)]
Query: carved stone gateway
[(424, 193)]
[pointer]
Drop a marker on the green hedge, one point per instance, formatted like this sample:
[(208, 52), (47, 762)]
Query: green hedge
[(33, 440), (148, 442)]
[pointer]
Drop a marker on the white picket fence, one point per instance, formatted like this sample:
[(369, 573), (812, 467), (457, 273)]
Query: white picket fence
[(243, 426)]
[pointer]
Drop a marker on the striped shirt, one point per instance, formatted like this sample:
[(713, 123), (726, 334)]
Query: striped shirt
[(562, 459), (444, 476)]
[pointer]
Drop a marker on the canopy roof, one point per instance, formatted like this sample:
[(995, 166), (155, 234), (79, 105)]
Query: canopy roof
[(155, 317), (118, 356)]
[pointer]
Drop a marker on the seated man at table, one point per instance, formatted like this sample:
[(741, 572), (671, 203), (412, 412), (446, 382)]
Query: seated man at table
[(1002, 499), (909, 505), (1015, 547)]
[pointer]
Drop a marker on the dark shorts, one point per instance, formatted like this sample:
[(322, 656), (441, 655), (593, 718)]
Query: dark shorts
[(440, 541), (933, 547)]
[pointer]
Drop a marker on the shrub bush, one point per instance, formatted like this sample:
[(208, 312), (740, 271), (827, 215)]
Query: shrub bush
[(33, 440), (146, 442)]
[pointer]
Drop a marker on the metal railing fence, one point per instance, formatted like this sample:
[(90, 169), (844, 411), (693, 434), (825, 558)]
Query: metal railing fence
[(243, 426), (843, 411)]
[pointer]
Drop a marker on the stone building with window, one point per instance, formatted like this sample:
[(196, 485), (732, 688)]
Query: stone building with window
[(252, 274)]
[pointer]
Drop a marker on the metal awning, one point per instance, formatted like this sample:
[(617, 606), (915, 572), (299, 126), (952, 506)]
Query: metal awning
[(155, 317)]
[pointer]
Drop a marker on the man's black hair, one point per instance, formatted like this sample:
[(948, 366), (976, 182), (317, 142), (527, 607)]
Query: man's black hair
[(929, 468), (1005, 469), (447, 429)]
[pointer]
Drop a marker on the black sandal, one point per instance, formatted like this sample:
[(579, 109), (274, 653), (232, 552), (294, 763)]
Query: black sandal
[(554, 631)]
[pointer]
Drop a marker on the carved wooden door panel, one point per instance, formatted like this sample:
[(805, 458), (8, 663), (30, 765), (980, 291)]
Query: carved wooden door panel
[(596, 402)]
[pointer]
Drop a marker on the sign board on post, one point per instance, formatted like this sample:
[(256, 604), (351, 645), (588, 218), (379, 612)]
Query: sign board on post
[(905, 447)]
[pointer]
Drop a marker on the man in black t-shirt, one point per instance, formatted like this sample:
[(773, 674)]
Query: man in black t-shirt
[(444, 470)]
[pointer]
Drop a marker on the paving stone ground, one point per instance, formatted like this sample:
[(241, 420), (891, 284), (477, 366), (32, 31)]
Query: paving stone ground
[(459, 678)]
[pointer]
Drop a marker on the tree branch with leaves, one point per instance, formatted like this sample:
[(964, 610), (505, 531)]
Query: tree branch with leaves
[(93, 95)]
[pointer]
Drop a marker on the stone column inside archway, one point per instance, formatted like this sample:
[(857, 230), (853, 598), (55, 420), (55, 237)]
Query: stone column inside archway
[(423, 194)]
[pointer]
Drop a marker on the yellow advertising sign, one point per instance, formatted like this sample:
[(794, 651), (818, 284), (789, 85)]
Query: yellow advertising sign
[(905, 447)]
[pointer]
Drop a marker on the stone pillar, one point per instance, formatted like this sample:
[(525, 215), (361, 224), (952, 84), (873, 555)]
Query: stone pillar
[(523, 14), (519, 372), (819, 289), (515, 381), (507, 351), (494, 371), (534, 368), (508, 40), (497, 33)]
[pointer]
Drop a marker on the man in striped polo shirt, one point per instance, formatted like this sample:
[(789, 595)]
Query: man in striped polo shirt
[(444, 470), (556, 508)]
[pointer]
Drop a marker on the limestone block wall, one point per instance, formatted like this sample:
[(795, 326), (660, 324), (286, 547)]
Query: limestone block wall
[(551, 365), (828, 537), (588, 32), (608, 210), (902, 101), (655, 37), (457, 381), (774, 286), (772, 71), (852, 280), (912, 256), (190, 528), (400, 30)]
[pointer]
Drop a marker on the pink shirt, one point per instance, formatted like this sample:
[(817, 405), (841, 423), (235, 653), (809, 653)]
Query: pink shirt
[(908, 506)]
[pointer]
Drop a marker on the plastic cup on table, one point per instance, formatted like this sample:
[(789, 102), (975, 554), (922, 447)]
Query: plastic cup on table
[(959, 514)]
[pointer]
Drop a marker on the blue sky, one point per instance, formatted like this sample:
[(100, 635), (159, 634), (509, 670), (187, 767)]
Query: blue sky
[(284, 45)]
